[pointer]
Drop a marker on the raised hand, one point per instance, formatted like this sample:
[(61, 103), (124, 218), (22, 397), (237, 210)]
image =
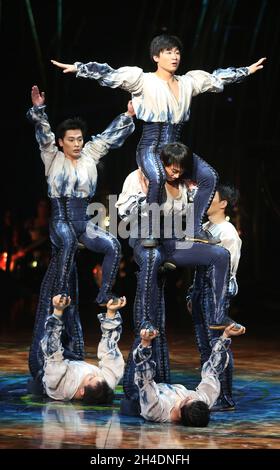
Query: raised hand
[(65, 67), (147, 336), (256, 66), (114, 305), (234, 330), (37, 97), (60, 302)]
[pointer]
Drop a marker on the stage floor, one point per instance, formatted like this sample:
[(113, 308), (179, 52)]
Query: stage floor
[(32, 423)]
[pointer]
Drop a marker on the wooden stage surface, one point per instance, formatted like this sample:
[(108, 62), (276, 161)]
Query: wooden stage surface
[(33, 423)]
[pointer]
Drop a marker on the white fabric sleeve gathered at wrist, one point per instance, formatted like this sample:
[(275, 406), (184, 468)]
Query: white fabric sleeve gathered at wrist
[(112, 137), (111, 362), (128, 78), (142, 354), (42, 106), (44, 135), (218, 359), (58, 316), (107, 323), (214, 82), (36, 113)]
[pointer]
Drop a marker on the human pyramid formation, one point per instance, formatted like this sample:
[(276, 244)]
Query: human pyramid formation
[(185, 188)]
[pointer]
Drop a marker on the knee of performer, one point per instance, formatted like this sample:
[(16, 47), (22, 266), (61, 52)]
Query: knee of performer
[(157, 178), (209, 177), (114, 246), (68, 243), (157, 259), (72, 244), (151, 256), (222, 256)]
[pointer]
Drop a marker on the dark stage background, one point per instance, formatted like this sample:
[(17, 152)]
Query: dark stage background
[(237, 131)]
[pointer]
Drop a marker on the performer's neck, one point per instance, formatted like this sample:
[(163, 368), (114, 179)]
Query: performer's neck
[(164, 75), (217, 218)]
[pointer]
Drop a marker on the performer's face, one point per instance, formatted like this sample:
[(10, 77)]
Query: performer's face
[(168, 59), (72, 143), (173, 172), (90, 380), (217, 205), (176, 412)]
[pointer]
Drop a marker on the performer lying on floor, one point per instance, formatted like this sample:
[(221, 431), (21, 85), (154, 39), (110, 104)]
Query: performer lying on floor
[(65, 379), (175, 403), (199, 297)]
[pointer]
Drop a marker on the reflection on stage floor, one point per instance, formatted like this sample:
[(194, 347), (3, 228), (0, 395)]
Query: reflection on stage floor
[(29, 422)]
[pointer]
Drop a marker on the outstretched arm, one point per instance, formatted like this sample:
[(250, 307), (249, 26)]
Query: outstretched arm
[(215, 82), (43, 133), (37, 97), (127, 78), (256, 66), (209, 387), (113, 137), (54, 365), (152, 405), (51, 342), (111, 362), (233, 245), (66, 68)]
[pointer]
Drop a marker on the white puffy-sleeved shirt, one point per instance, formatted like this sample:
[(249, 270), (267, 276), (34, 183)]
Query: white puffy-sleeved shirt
[(230, 240), (62, 377), (158, 400), (133, 196), (63, 178), (152, 99)]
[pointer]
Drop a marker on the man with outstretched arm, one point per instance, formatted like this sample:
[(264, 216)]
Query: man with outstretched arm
[(175, 403), (65, 379)]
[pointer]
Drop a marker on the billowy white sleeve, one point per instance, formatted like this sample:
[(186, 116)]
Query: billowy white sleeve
[(203, 81), (233, 245), (111, 362), (209, 388), (128, 78), (132, 198), (44, 135), (151, 402), (55, 366), (113, 137)]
